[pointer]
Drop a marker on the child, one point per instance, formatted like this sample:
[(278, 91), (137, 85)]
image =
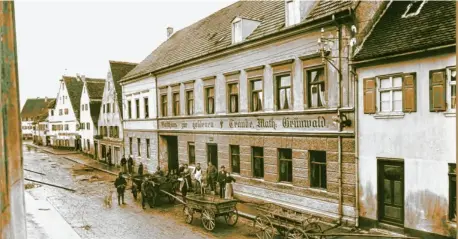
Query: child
[(134, 190)]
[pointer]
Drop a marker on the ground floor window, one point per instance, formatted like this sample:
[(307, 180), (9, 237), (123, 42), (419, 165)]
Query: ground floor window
[(285, 158), (452, 191), (130, 145), (147, 148), (191, 153), (258, 161), (318, 169), (235, 158), (138, 146)]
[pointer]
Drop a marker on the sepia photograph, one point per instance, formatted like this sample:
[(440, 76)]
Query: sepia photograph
[(237, 119)]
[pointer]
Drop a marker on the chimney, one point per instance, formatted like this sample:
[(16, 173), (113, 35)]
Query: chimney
[(169, 32)]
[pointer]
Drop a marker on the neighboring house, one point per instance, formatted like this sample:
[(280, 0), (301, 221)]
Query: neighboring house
[(41, 125), (90, 103), (247, 88), (407, 119), (31, 112), (110, 137)]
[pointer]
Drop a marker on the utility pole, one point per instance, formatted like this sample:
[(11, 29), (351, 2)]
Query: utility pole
[(12, 206)]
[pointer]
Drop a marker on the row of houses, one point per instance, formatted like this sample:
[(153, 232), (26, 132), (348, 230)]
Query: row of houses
[(343, 109)]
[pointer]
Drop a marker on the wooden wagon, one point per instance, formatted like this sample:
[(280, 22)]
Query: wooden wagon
[(289, 223), (210, 207), (157, 187)]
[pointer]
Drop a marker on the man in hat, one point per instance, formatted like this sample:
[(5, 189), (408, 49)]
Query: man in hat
[(130, 164), (212, 174), (120, 184), (222, 175), (123, 164)]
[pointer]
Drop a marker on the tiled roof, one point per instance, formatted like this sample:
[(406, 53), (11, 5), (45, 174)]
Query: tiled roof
[(95, 111), (95, 88), (435, 25), (75, 88), (214, 32), (118, 70), (36, 107)]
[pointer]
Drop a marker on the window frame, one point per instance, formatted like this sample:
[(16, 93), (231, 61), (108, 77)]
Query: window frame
[(148, 145), (130, 145), (176, 103), (391, 89), (232, 155), (230, 94), (449, 85), (129, 109), (88, 126), (277, 88), (137, 108), (191, 161), (289, 161), (312, 166), (207, 99), (234, 31), (308, 86), (253, 157), (251, 86), (139, 144), (188, 101), (164, 105), (145, 107)]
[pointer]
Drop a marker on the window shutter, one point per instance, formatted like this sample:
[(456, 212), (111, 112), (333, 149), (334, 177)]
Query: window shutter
[(369, 92), (437, 100), (409, 93)]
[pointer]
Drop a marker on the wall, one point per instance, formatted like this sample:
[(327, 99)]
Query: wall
[(424, 140), (85, 117), (109, 97)]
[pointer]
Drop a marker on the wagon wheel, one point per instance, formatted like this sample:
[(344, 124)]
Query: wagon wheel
[(315, 228), (188, 212), (296, 233), (264, 228), (232, 217), (208, 219)]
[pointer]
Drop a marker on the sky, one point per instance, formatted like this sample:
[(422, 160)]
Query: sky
[(58, 38)]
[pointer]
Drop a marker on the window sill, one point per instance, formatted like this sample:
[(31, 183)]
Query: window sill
[(318, 189), (450, 114), (391, 115)]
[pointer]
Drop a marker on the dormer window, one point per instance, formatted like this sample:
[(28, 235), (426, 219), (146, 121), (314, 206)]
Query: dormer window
[(292, 12), (242, 28), (237, 30), (414, 8)]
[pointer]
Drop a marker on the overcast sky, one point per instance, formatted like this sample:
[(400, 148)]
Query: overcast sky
[(57, 38)]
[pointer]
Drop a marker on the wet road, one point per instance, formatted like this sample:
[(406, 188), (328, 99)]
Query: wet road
[(87, 214)]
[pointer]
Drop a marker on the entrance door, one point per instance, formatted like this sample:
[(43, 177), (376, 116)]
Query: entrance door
[(391, 192), (104, 152), (172, 151), (96, 150), (212, 154)]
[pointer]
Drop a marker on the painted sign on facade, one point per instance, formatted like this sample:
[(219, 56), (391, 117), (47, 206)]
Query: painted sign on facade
[(292, 123)]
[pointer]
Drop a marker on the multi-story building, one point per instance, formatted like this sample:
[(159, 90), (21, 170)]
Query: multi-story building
[(110, 137), (90, 103), (251, 88), (406, 128), (41, 125), (31, 112)]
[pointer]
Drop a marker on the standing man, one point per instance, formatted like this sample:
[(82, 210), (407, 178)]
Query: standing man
[(222, 175), (123, 164), (144, 188), (130, 164), (212, 174), (140, 169), (120, 184)]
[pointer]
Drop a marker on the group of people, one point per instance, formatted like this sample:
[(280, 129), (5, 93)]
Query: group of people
[(127, 165)]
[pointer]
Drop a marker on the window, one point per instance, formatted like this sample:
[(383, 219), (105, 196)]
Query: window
[(88, 145), (258, 162), (116, 132), (190, 102), (235, 158), (452, 89), (147, 148), (145, 105), (83, 125), (452, 191), (176, 103), (390, 91), (129, 109), (87, 106), (66, 127), (60, 112), (108, 107), (285, 158), (256, 95), (130, 145), (316, 88), (233, 93), (88, 126), (283, 92), (52, 112), (237, 31), (318, 169), (292, 13), (82, 107), (164, 105), (191, 153), (104, 108), (138, 146), (210, 100), (110, 130), (66, 111), (137, 108)]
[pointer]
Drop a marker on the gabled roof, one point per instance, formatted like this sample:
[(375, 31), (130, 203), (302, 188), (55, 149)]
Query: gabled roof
[(95, 111), (74, 88), (34, 108), (435, 25), (214, 32), (118, 70), (95, 88)]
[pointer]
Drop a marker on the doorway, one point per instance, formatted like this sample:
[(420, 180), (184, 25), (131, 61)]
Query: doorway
[(391, 192), (172, 152), (212, 154), (96, 150), (104, 152)]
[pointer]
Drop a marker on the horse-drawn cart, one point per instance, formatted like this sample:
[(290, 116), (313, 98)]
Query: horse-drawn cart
[(210, 207), (156, 187), (289, 223)]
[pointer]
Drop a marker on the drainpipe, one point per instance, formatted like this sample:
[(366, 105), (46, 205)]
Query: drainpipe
[(356, 103)]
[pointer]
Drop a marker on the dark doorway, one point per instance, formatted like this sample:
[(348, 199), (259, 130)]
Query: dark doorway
[(96, 150), (48, 140), (391, 192), (172, 149), (104, 152), (212, 154)]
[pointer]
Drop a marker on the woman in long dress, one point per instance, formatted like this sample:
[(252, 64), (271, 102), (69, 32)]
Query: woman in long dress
[(229, 191)]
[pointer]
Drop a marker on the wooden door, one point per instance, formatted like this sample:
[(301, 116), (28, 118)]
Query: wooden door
[(391, 192)]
